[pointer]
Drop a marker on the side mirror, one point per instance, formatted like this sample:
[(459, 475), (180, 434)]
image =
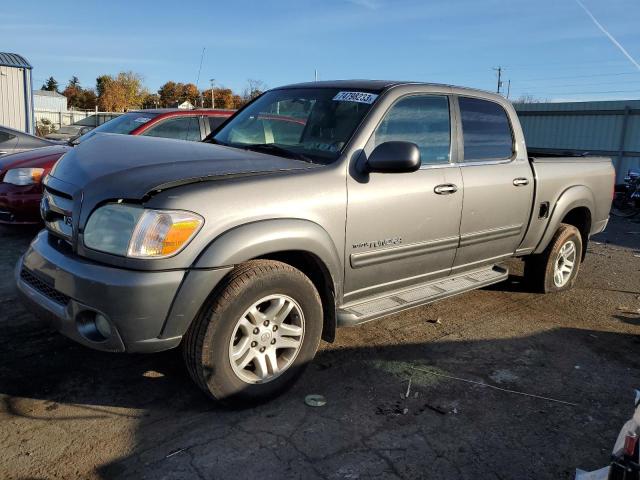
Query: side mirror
[(394, 157)]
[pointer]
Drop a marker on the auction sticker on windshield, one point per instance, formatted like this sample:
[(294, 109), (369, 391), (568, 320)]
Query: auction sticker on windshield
[(360, 97), (142, 119)]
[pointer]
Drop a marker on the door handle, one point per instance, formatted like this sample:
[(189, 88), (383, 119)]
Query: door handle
[(520, 181), (445, 189)]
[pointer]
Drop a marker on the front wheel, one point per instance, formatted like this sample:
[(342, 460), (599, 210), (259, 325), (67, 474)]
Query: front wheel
[(555, 269), (256, 335)]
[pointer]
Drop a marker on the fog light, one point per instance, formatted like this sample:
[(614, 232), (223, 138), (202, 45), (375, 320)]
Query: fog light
[(102, 325), (93, 326)]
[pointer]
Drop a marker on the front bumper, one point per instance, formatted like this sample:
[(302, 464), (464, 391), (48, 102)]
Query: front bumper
[(64, 288), (20, 204)]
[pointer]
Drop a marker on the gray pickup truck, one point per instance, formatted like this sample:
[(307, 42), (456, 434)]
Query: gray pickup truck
[(316, 206)]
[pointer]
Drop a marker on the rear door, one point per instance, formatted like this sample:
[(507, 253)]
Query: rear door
[(400, 230), (498, 185)]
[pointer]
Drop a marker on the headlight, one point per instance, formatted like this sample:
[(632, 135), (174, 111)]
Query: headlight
[(138, 232), (24, 176)]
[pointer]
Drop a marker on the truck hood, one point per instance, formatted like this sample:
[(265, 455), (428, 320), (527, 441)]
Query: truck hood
[(43, 157), (111, 166)]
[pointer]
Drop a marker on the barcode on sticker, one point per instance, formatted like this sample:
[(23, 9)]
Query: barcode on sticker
[(360, 97)]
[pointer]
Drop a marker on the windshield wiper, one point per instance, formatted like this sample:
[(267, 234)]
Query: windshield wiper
[(277, 150)]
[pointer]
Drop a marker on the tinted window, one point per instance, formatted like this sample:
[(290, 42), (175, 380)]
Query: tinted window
[(4, 136), (123, 124), (215, 122), (315, 123), (423, 120), (184, 128), (486, 130)]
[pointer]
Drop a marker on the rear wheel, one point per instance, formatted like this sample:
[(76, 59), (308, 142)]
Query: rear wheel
[(555, 269), (256, 335)]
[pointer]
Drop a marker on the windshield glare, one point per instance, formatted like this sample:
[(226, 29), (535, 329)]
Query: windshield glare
[(123, 124), (314, 122)]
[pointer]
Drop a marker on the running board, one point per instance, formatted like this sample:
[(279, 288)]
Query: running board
[(352, 314)]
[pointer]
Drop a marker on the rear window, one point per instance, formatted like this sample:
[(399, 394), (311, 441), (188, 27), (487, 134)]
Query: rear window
[(486, 130)]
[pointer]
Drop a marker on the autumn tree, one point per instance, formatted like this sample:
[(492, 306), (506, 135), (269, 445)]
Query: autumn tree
[(51, 85), (120, 93), (169, 94), (78, 97), (223, 98), (151, 100)]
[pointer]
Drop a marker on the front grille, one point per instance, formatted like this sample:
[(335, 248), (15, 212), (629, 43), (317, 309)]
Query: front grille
[(43, 287), (56, 210)]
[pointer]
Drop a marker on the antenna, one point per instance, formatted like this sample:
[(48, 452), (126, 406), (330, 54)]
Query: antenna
[(198, 78), (200, 67), (316, 75)]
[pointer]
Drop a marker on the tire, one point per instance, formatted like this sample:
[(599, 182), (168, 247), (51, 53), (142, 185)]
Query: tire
[(211, 339), (541, 270)]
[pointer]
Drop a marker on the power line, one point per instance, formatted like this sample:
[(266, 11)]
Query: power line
[(587, 93)]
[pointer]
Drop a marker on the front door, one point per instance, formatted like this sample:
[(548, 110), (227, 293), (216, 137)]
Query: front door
[(401, 228), (498, 186)]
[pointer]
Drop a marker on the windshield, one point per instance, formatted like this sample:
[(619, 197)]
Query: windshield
[(309, 123), (124, 124)]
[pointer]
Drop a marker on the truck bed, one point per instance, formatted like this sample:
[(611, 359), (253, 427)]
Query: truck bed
[(556, 177)]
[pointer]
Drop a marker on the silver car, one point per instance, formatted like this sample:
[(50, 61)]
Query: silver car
[(14, 141)]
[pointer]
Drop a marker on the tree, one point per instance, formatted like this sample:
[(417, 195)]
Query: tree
[(151, 100), (526, 98), (169, 93), (121, 93), (254, 89), (189, 93), (224, 98), (101, 82), (78, 97), (51, 85)]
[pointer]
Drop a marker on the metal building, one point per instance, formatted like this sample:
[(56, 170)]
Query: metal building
[(610, 128), (49, 101), (16, 100)]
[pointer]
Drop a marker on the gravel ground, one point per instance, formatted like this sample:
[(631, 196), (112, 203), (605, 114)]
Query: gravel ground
[(70, 412)]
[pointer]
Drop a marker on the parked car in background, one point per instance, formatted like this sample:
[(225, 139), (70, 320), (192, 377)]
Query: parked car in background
[(21, 174), (76, 129), (321, 204), (14, 141)]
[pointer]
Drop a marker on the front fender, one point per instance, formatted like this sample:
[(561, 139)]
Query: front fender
[(265, 237), (572, 197)]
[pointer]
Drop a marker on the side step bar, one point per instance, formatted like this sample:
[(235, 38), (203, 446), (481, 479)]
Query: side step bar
[(355, 313)]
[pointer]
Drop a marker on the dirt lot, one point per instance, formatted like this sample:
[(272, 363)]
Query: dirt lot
[(70, 412)]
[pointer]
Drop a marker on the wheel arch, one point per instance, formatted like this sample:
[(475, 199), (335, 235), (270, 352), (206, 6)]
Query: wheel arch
[(302, 244), (575, 206)]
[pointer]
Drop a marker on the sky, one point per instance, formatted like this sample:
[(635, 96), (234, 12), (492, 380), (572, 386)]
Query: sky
[(549, 49)]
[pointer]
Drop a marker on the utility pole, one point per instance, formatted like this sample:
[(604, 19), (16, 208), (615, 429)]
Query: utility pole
[(213, 103), (499, 70), (508, 88), (316, 74)]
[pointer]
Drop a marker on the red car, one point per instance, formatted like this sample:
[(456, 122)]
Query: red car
[(21, 173)]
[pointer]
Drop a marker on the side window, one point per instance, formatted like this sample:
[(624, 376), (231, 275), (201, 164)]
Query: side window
[(423, 120), (215, 122), (183, 128), (5, 136), (486, 130)]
